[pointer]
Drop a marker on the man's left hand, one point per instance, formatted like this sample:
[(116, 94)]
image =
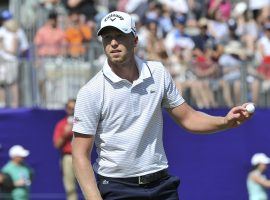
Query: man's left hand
[(236, 116)]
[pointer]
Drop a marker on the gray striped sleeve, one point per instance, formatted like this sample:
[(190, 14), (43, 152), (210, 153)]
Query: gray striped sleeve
[(87, 109)]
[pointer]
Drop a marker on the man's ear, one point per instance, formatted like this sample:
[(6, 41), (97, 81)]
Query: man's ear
[(136, 39)]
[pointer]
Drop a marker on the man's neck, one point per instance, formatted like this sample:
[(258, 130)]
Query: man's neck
[(127, 70), (15, 162)]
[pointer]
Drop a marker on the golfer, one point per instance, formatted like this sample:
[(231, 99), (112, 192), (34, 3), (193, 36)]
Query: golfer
[(120, 109)]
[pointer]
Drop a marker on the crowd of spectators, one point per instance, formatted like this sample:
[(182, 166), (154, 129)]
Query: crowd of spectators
[(218, 51)]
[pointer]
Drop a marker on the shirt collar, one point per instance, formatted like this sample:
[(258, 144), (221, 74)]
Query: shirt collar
[(144, 71)]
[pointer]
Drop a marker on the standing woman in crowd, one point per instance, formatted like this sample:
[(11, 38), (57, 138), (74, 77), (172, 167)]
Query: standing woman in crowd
[(9, 46), (257, 181)]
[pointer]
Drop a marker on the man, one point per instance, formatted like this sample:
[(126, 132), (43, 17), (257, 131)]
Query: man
[(177, 37), (50, 44), (78, 34), (50, 40), (62, 140), (120, 110), (19, 172)]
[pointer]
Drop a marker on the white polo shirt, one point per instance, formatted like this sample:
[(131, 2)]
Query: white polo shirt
[(126, 119)]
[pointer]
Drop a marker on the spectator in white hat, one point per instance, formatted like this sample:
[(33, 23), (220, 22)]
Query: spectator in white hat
[(20, 173), (257, 183)]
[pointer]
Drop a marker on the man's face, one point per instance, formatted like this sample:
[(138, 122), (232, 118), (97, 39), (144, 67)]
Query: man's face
[(75, 18), (70, 108), (18, 159), (203, 29), (267, 33), (118, 46), (53, 22), (1, 178)]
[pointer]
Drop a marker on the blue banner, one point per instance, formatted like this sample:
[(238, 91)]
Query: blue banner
[(210, 167)]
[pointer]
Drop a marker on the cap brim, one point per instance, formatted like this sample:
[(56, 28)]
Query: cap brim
[(23, 154), (267, 161), (112, 26), (26, 153)]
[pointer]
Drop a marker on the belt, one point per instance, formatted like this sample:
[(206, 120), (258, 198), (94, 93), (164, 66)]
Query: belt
[(141, 180)]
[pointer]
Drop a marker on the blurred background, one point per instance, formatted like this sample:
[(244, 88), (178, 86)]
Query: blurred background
[(217, 51)]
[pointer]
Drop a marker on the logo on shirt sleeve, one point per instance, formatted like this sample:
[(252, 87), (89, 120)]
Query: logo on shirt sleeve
[(76, 120)]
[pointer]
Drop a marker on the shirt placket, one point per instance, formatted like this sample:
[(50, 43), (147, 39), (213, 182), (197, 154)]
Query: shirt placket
[(135, 103)]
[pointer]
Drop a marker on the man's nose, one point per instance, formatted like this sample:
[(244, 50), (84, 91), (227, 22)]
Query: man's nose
[(114, 42)]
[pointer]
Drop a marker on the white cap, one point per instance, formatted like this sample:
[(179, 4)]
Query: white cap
[(260, 158), (120, 20), (239, 9), (18, 151)]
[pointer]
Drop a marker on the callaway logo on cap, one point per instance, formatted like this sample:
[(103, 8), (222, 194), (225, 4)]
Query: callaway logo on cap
[(113, 16), (120, 20)]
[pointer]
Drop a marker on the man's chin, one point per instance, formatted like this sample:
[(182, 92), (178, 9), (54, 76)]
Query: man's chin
[(117, 60)]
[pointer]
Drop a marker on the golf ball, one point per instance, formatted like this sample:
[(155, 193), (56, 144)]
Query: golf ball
[(250, 108)]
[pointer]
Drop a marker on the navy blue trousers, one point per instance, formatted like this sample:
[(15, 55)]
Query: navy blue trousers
[(164, 189)]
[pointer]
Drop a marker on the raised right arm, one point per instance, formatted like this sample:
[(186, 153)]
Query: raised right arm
[(81, 158)]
